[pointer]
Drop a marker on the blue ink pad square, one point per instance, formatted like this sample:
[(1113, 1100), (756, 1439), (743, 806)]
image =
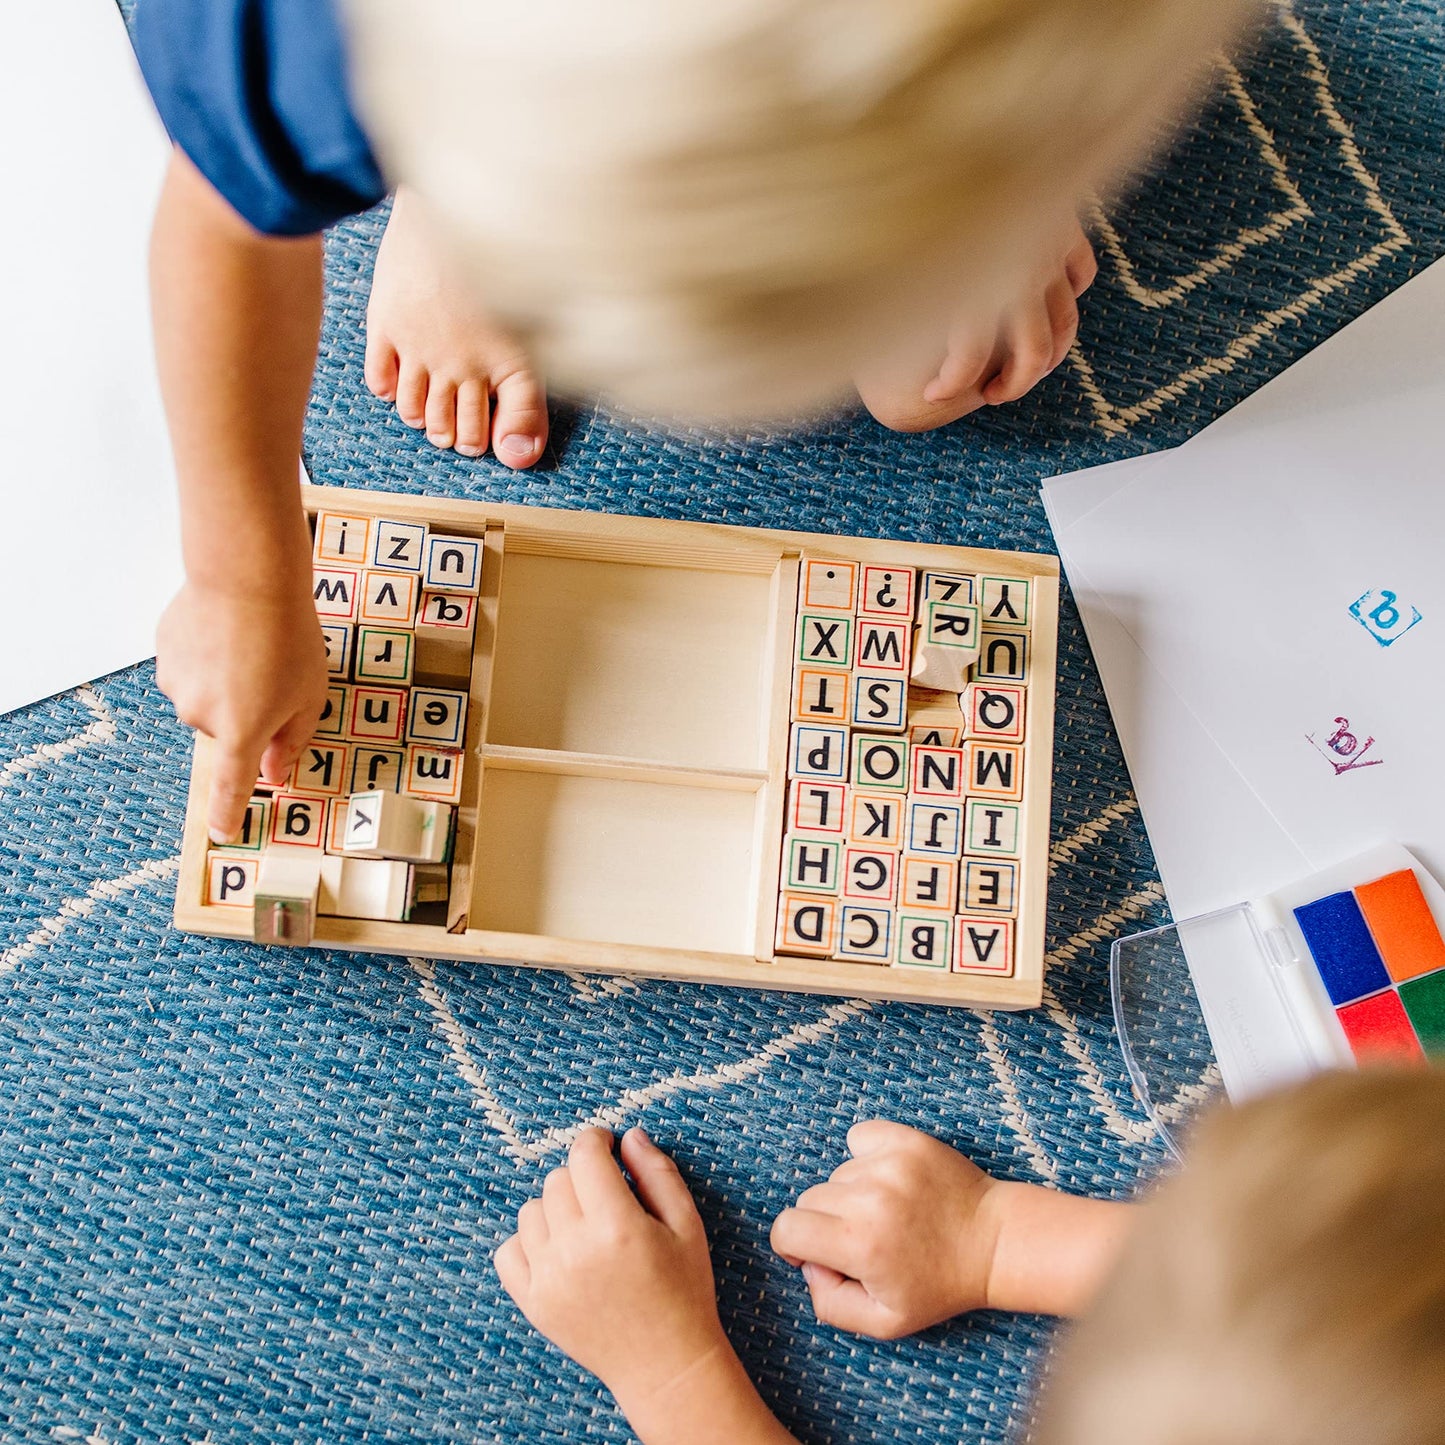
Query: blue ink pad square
[(1345, 954)]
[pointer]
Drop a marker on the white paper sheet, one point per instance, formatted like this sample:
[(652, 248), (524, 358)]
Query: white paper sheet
[(1215, 582), (87, 499)]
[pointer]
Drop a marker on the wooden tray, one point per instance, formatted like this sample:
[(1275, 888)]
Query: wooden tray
[(627, 755)]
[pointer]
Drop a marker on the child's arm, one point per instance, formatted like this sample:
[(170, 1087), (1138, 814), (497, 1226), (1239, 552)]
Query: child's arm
[(237, 316), (623, 1284), (908, 1233)]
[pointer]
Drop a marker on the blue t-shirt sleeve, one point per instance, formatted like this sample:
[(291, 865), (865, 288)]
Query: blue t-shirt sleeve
[(255, 93)]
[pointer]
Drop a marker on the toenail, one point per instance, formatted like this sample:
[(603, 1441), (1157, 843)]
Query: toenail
[(469, 451), (518, 448)]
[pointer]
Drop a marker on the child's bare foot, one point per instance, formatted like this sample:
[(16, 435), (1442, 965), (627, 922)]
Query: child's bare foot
[(433, 351), (918, 391)]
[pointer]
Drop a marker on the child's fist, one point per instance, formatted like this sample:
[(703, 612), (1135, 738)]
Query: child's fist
[(621, 1282), (900, 1237), (249, 671)]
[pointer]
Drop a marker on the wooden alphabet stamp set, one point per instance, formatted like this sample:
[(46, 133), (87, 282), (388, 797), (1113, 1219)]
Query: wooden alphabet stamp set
[(674, 749), (905, 804)]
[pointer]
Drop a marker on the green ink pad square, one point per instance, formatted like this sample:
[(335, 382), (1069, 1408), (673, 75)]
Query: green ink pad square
[(1424, 1000)]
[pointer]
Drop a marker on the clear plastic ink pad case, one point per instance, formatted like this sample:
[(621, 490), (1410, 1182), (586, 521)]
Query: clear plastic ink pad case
[(1344, 966)]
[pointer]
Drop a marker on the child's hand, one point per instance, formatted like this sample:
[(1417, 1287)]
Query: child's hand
[(249, 671), (900, 1237), (624, 1287)]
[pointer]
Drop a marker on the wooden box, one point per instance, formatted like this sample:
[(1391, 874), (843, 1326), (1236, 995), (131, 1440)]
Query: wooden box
[(626, 772)]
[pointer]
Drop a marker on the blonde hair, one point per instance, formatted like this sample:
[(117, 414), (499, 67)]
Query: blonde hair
[(717, 208), (1288, 1288)]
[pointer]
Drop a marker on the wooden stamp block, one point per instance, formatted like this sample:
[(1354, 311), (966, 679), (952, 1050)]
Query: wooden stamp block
[(1002, 657), (254, 827), (399, 546), (989, 885), (445, 631), (332, 722), (378, 715), (438, 717), (452, 614), (811, 864), (935, 719), (366, 888), (335, 837), (925, 940), (995, 770), (815, 807), (433, 773), (298, 820), (947, 587), (882, 647), (945, 645), (342, 540), (993, 829), (392, 825), (879, 764), (820, 694), (231, 878), (453, 564), (875, 820), (430, 883), (887, 592), (936, 773), (384, 655), (340, 640), (983, 945), (879, 703), (995, 710), (818, 752), (865, 935), (934, 828), (322, 768), (1003, 602), (870, 877), (376, 769), (929, 882), (336, 592), (807, 925), (388, 599), (825, 639), (287, 884), (827, 586)]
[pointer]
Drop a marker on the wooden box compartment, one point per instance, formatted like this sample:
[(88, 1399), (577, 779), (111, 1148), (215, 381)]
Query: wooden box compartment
[(664, 664), (627, 742), (610, 860)]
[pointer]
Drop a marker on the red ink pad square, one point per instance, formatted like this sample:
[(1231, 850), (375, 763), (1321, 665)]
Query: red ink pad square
[(1379, 1030)]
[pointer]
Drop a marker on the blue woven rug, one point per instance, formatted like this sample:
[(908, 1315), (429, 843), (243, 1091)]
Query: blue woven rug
[(255, 1194)]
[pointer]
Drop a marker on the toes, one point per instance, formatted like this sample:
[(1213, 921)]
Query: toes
[(1030, 352), (1080, 264), (411, 390), (903, 407), (473, 414), (519, 428), (441, 412), (966, 367), (1063, 312), (382, 368)]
